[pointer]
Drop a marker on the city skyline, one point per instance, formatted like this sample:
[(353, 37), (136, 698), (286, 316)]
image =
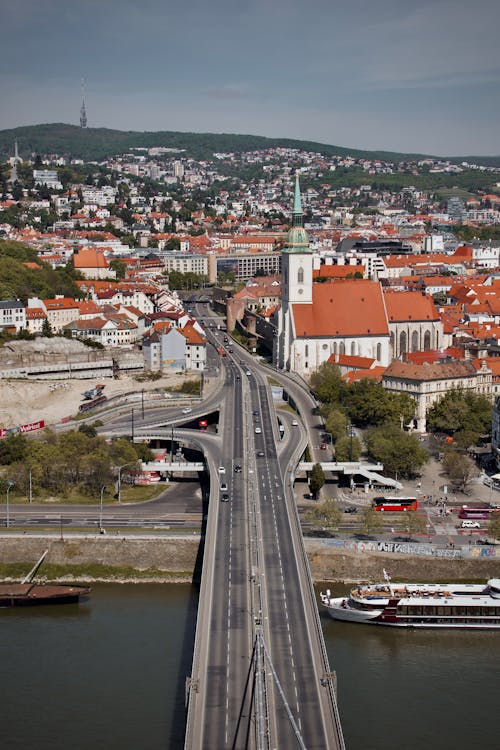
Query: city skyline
[(421, 79)]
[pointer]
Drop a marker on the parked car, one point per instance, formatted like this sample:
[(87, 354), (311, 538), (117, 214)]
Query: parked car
[(323, 446)]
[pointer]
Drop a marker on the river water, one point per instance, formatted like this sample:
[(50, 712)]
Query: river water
[(109, 673)]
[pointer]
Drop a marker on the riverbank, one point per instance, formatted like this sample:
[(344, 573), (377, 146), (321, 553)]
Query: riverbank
[(123, 559)]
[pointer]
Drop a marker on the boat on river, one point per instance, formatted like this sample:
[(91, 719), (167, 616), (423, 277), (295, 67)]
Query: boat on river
[(29, 593), (420, 605)]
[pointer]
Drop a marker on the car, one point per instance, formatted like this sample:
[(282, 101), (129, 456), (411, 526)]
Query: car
[(469, 524), (260, 454), (255, 413), (258, 431), (323, 446), (187, 410), (237, 377), (222, 470), (351, 509), (223, 487), (247, 372), (237, 468), (295, 423), (224, 498)]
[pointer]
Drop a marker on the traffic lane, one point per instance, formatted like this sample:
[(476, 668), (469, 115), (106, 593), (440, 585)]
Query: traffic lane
[(290, 645)]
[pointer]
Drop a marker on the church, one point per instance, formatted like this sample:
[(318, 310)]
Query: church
[(350, 317)]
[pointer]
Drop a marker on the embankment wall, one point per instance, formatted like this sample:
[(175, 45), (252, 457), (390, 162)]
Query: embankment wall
[(176, 557)]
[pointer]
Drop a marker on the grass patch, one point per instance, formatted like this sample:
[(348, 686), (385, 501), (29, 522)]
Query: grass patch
[(85, 571), (129, 494)]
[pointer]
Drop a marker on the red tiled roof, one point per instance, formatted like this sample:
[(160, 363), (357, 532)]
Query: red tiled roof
[(408, 305), (343, 308)]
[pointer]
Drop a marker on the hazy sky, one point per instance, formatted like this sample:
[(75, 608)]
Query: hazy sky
[(377, 74)]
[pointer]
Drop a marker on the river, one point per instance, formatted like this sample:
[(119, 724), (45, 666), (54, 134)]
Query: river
[(109, 673)]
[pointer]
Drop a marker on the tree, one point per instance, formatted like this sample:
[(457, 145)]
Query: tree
[(316, 479), (347, 448), (13, 448), (119, 267), (371, 520), (400, 452), (325, 514), (327, 383), (461, 469), (494, 525), (460, 411), (413, 522), (46, 329), (335, 423), (370, 404)]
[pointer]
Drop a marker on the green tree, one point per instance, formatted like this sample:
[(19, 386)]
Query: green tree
[(316, 479), (119, 267), (460, 411), (370, 404), (13, 448), (327, 384), (46, 329), (347, 448), (335, 423), (400, 452)]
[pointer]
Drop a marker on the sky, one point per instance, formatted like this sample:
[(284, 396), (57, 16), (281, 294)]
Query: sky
[(373, 74)]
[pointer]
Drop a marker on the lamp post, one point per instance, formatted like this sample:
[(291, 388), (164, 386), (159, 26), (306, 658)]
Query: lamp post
[(100, 508), (132, 425), (9, 485), (129, 463)]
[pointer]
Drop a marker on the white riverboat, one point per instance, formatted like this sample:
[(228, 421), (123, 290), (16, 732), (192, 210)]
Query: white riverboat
[(420, 605)]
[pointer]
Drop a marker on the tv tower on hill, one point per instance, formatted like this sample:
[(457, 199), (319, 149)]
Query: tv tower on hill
[(83, 113)]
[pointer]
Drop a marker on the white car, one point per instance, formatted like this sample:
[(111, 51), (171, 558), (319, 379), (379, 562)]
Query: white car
[(223, 487), (187, 410), (295, 423), (258, 430), (471, 524), (222, 470)]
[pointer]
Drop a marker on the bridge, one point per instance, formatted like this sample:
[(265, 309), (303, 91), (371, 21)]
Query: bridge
[(260, 676)]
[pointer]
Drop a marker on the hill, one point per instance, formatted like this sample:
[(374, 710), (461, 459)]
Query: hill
[(94, 144)]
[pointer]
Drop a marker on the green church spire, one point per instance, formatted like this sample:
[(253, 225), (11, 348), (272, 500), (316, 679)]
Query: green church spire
[(297, 240)]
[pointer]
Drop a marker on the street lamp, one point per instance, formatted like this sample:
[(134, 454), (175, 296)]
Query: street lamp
[(129, 463), (9, 485), (100, 508)]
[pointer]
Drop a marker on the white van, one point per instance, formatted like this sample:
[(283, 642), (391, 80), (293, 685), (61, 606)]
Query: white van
[(471, 524)]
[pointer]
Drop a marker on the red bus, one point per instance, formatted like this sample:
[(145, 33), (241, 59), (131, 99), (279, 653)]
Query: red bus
[(203, 424), (394, 504), (467, 511)]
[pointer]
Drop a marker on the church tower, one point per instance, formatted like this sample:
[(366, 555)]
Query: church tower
[(83, 112), (296, 280)]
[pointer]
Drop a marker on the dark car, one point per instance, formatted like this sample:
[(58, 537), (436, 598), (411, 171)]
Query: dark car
[(237, 468), (351, 509), (225, 498)]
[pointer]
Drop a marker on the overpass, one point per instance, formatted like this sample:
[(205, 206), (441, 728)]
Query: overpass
[(352, 468)]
